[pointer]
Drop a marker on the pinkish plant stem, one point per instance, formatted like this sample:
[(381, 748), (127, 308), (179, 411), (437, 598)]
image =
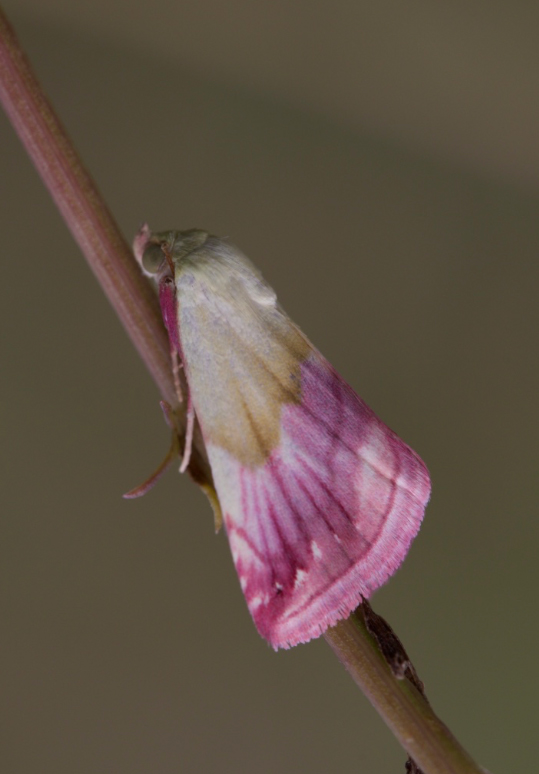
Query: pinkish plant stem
[(405, 711), (83, 209), (90, 221)]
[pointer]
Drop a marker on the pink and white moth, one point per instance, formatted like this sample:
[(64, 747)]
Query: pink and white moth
[(320, 500)]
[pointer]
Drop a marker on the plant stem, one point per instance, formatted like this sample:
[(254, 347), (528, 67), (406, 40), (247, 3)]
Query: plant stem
[(91, 223), (82, 208), (403, 708)]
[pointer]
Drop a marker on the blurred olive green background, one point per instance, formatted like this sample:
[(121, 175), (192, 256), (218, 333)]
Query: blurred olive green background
[(381, 166)]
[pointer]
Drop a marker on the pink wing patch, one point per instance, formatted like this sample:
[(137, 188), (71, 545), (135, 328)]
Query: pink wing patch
[(329, 516)]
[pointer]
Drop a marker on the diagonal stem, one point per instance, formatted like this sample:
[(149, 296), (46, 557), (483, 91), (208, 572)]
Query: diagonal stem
[(403, 708), (90, 221), (82, 208)]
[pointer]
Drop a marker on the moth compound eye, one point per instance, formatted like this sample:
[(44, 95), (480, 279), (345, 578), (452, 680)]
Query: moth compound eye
[(152, 258)]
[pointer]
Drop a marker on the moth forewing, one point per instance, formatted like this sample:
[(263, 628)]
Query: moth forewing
[(320, 499)]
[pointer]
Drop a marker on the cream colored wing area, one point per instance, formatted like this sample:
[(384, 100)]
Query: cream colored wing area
[(241, 353)]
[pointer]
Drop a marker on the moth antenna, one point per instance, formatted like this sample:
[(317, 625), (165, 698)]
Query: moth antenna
[(168, 257), (188, 434)]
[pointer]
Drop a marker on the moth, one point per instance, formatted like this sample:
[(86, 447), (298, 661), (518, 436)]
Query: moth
[(320, 499)]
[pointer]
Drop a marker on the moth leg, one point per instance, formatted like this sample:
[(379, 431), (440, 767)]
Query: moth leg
[(188, 433), (172, 453), (168, 413), (177, 365)]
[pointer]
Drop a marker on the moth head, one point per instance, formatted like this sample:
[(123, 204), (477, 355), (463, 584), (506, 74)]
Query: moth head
[(153, 258), (158, 253), (148, 252)]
